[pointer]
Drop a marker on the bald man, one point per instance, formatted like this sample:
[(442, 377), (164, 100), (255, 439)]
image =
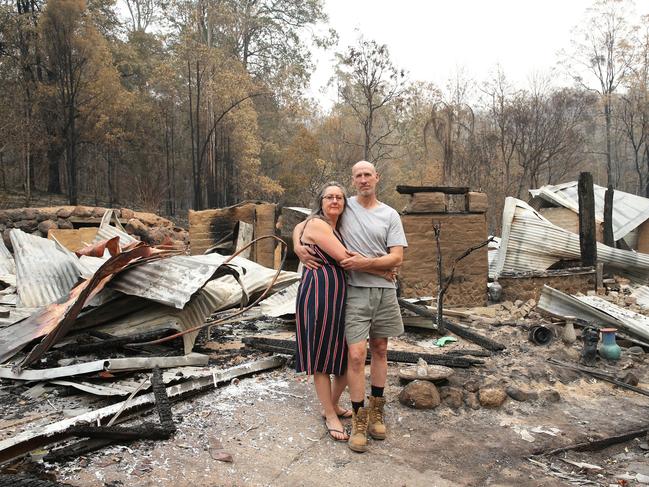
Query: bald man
[(374, 235)]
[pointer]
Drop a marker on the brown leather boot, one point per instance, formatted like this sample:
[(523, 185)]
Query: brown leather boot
[(376, 426), (358, 438)]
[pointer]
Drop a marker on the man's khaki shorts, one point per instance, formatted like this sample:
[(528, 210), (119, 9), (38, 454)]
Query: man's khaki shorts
[(371, 312)]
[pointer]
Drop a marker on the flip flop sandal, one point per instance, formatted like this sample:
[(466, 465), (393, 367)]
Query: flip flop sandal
[(331, 430), (346, 414)]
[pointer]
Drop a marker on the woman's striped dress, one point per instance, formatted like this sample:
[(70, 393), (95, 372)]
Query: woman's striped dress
[(320, 318)]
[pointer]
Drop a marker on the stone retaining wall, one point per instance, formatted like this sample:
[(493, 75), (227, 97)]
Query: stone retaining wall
[(149, 227), (529, 286)]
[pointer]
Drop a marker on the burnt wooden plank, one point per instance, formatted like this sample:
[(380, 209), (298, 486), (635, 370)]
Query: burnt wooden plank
[(587, 228)]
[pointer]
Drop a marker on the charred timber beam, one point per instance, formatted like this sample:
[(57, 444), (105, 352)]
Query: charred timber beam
[(432, 189), (288, 347), (587, 228), (459, 330), (609, 239), (599, 444)]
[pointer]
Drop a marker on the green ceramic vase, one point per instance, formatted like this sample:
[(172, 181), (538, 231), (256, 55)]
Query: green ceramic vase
[(608, 348)]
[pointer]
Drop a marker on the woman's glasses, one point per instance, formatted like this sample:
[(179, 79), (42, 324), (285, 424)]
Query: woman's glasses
[(331, 197)]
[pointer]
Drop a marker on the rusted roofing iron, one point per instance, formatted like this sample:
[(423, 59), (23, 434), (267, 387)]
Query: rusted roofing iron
[(44, 274), (7, 265), (55, 320)]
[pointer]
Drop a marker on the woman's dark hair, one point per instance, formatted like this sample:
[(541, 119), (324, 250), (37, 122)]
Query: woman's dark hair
[(316, 207)]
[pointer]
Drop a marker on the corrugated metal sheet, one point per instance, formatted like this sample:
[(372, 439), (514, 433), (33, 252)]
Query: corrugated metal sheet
[(113, 364), (43, 273), (281, 303), (107, 231), (641, 294), (172, 281), (126, 387), (531, 242), (629, 210), (7, 265), (216, 295), (594, 309)]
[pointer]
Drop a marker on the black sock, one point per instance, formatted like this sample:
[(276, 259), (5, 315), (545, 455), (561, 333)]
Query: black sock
[(357, 405), (377, 391)]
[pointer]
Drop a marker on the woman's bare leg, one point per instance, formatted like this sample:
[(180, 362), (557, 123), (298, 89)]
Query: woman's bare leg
[(323, 390), (337, 387)]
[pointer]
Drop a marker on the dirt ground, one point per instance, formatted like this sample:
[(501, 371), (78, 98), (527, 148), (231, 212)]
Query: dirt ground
[(270, 426)]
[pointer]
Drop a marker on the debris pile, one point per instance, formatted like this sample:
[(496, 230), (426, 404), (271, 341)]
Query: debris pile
[(100, 319)]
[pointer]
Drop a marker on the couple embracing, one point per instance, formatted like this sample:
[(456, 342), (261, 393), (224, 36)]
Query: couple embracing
[(350, 248)]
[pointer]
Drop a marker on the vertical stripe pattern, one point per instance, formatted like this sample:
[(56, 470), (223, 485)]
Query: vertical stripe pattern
[(320, 314)]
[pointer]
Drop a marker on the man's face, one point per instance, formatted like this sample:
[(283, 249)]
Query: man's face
[(364, 179)]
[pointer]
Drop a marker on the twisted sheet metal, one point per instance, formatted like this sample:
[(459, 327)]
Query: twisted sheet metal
[(7, 265), (629, 210), (281, 303), (44, 273), (107, 231), (531, 242), (171, 281)]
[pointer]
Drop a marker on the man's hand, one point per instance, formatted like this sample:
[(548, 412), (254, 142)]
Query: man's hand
[(308, 257), (355, 262)]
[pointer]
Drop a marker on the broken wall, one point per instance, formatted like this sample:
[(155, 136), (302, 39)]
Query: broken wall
[(150, 228), (528, 285), (459, 231), (209, 227)]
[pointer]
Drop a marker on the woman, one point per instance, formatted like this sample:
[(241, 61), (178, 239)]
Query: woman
[(321, 345)]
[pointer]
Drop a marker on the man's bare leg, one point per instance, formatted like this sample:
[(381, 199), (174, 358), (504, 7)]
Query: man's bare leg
[(379, 365), (357, 354)]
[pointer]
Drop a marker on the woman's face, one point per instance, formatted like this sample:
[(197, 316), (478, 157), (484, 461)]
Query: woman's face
[(333, 201)]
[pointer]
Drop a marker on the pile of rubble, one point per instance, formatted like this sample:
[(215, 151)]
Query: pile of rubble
[(100, 319)]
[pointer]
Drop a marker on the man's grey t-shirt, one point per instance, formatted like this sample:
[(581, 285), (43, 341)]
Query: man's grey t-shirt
[(370, 233)]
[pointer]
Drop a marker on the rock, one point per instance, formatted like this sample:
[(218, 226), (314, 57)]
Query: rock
[(491, 397), (6, 239), (98, 212), (420, 394), (630, 378), (26, 225), (517, 394), (549, 396), (508, 305), (471, 400), (453, 397), (136, 227), (127, 214), (518, 303), (82, 211), (64, 224), (47, 225), (65, 212), (472, 385)]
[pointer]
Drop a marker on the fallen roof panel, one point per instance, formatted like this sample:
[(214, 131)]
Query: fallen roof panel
[(595, 309), (113, 365), (44, 274), (128, 386), (281, 303), (531, 242), (107, 231), (629, 210)]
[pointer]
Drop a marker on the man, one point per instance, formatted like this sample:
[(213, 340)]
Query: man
[(373, 233)]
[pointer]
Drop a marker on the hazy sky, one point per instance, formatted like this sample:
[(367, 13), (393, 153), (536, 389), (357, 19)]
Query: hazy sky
[(432, 38)]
